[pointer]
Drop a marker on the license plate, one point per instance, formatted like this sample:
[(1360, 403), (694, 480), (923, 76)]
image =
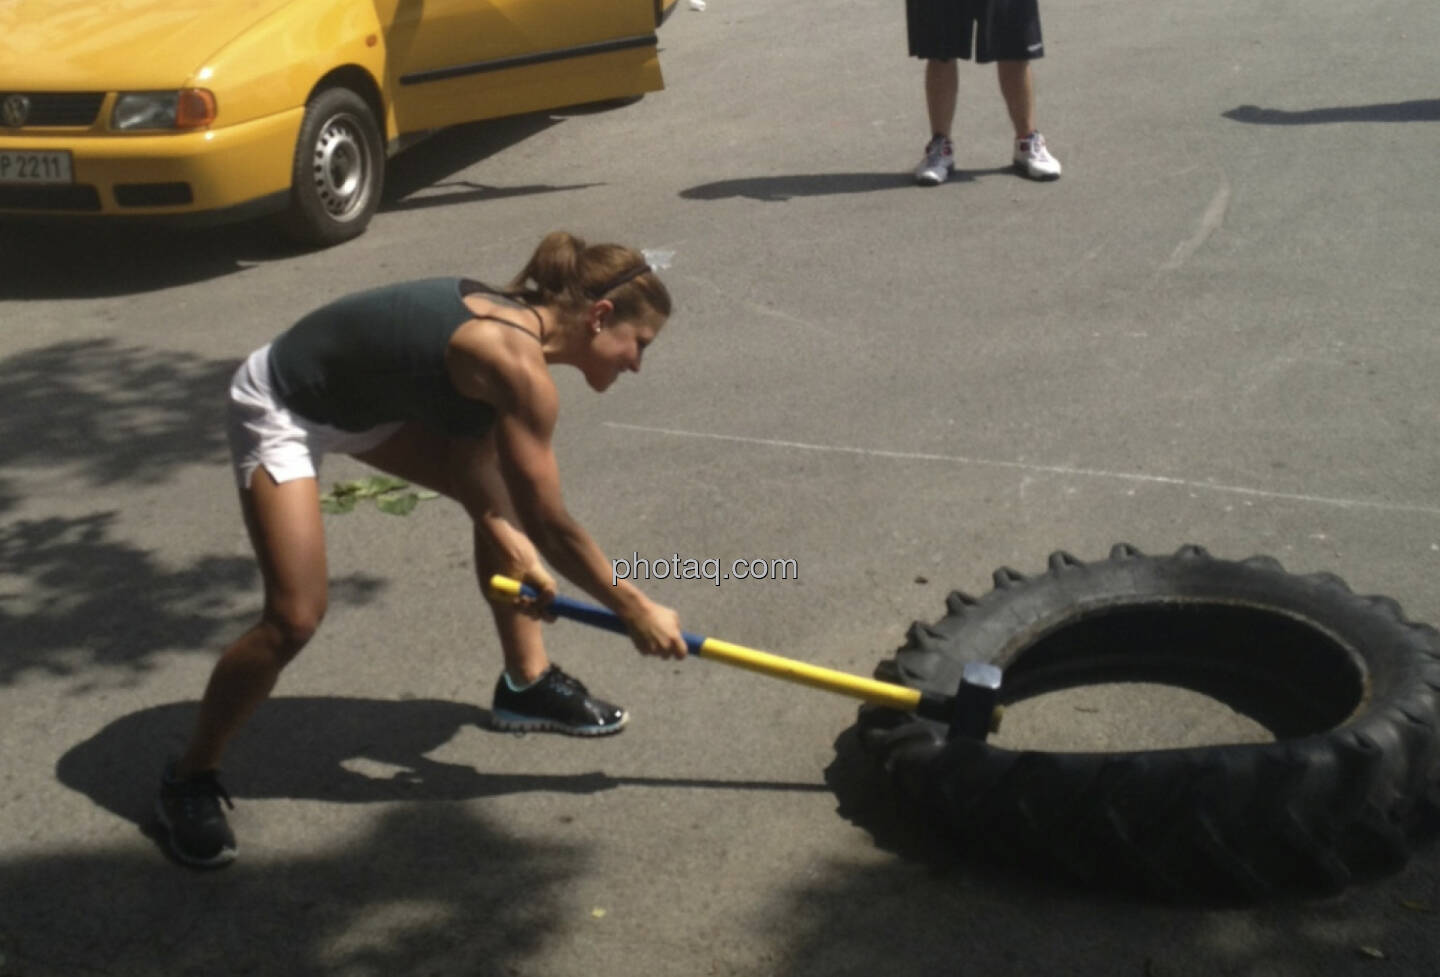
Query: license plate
[(18, 167)]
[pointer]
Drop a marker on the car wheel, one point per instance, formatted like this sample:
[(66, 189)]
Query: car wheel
[(1349, 688), (338, 172)]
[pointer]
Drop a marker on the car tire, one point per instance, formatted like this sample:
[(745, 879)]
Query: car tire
[(338, 171), (1348, 686)]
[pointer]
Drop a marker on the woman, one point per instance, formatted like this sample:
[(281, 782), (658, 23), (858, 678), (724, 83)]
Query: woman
[(445, 383)]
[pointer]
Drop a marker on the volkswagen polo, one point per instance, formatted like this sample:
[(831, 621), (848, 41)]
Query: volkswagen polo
[(222, 110)]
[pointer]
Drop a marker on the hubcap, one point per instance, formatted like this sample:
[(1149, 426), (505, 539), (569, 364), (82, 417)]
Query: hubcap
[(341, 167)]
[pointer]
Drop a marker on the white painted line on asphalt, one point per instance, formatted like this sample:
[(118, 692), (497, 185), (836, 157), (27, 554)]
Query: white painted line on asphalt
[(1027, 467), (1210, 221)]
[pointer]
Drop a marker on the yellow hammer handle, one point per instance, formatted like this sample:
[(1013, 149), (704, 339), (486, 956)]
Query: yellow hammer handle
[(872, 691)]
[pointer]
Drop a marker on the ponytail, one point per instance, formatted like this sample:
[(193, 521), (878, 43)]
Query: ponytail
[(567, 273)]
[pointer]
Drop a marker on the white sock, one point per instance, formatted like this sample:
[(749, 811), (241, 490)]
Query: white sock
[(517, 687)]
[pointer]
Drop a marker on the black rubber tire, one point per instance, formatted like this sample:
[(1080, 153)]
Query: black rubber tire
[(338, 171), (1349, 687)]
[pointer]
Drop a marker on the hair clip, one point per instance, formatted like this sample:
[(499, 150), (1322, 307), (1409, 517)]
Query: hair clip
[(658, 260)]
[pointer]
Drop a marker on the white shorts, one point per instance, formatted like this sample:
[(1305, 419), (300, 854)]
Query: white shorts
[(264, 432)]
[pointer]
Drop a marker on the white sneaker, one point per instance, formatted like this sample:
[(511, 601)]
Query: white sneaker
[(1033, 160), (939, 160)]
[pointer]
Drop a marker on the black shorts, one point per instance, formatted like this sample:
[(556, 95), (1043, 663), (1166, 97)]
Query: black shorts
[(1004, 30)]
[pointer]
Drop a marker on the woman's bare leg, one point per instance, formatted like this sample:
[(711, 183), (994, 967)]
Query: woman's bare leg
[(430, 460), (289, 539)]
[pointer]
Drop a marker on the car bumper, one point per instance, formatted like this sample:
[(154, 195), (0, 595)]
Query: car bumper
[(233, 170)]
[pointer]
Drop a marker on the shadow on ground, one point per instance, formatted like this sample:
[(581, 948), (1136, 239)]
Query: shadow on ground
[(412, 896), (1419, 110), (97, 258), (424, 175), (86, 258), (431, 890), (112, 412), (91, 599), (356, 751), (928, 911), (72, 591), (773, 189)]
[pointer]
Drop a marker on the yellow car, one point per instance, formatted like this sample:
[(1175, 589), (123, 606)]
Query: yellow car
[(229, 109)]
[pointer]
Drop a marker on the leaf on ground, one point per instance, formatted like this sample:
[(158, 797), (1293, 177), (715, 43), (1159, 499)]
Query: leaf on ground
[(337, 504), (397, 503), (1373, 952), (381, 484), (392, 495)]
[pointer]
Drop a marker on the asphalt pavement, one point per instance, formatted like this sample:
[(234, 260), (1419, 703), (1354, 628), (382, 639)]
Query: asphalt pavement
[(1218, 327)]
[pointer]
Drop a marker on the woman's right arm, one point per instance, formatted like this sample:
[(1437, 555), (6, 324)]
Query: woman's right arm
[(532, 476), (504, 370)]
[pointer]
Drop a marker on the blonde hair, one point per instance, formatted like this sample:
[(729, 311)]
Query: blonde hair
[(567, 273)]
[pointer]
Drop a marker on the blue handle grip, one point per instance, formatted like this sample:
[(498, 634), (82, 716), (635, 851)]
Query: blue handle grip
[(599, 617)]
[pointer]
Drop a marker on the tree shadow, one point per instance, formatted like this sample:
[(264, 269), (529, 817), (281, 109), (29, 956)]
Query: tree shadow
[(357, 751), (773, 189), (9, 497), (105, 414), (907, 920), (111, 412), (93, 600), (1417, 110), (930, 909), (427, 891)]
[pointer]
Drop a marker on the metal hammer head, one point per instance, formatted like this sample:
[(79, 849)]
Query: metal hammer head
[(975, 710)]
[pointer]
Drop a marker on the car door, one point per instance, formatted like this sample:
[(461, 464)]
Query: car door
[(451, 61)]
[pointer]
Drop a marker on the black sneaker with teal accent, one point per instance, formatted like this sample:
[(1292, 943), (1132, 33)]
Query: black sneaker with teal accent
[(195, 826), (556, 703)]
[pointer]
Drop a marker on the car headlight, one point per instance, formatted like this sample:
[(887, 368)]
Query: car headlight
[(189, 108)]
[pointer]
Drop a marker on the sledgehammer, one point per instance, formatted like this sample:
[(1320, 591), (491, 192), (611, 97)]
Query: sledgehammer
[(972, 712)]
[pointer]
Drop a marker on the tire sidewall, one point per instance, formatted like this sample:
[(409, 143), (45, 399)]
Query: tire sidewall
[(1309, 810), (307, 219), (1395, 654)]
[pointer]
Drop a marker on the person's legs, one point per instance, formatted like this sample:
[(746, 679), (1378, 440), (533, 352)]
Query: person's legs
[(939, 32), (942, 86), (1017, 86), (288, 536), (531, 693), (1011, 37), (427, 459), (289, 539), (942, 79)]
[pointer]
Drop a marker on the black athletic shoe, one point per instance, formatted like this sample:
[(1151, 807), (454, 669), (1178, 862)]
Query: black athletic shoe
[(194, 823), (557, 703)]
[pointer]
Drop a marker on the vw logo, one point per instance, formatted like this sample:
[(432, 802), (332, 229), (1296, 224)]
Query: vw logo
[(15, 110)]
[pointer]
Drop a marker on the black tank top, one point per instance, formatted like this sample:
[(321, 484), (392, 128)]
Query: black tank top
[(379, 356)]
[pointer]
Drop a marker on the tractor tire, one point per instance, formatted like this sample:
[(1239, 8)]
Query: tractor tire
[(1349, 688)]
